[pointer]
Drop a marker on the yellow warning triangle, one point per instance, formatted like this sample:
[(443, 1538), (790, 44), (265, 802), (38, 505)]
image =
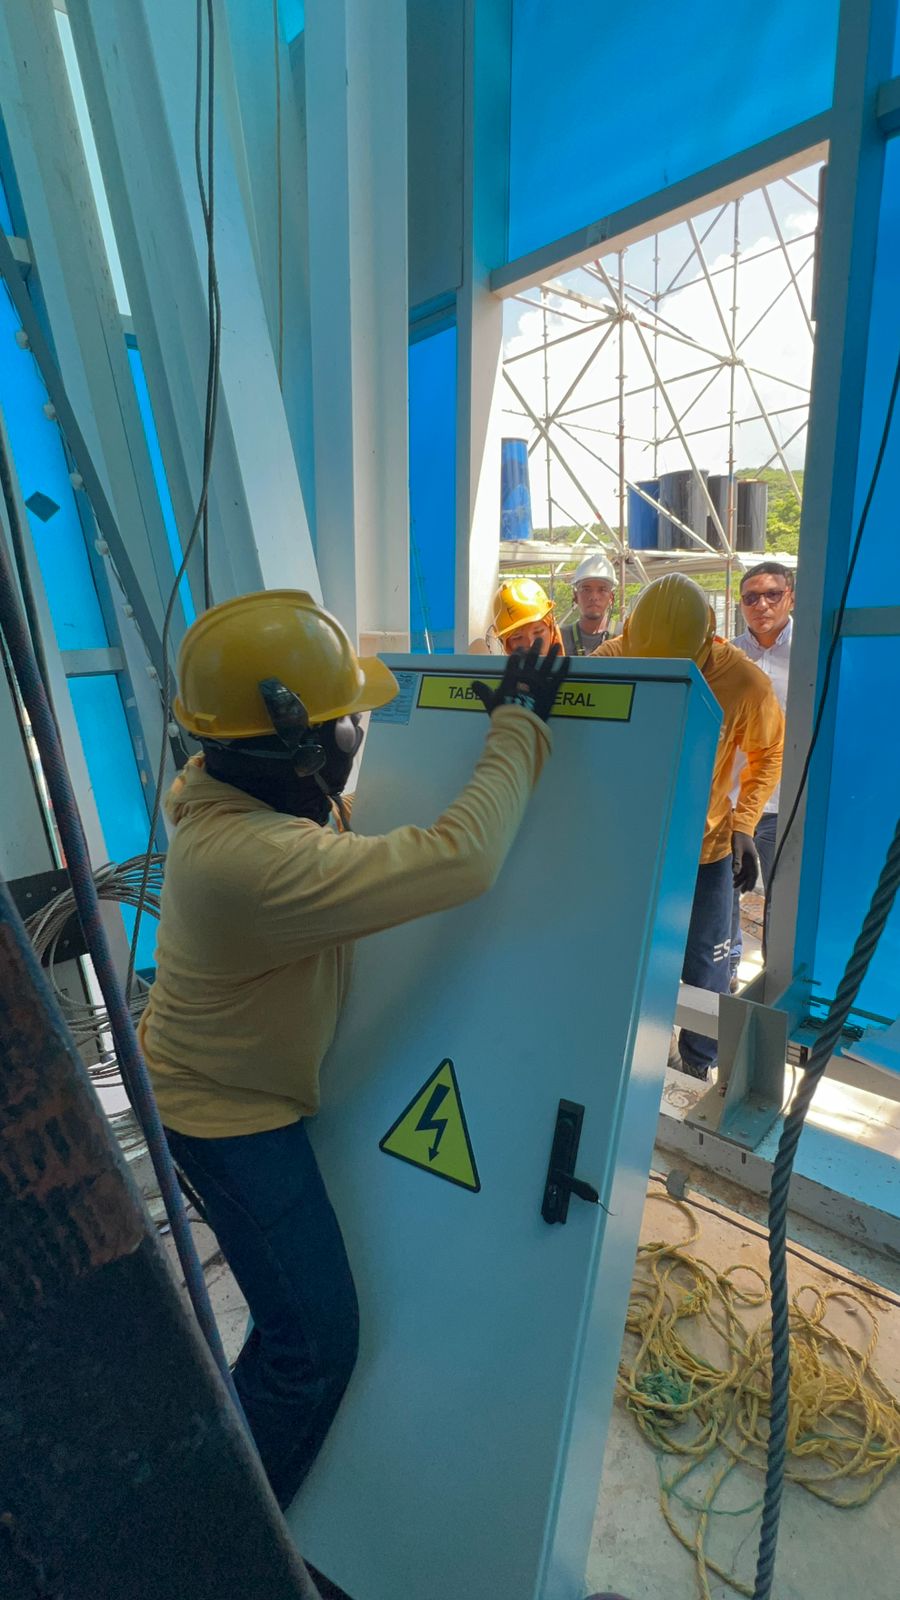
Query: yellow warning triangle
[(432, 1134)]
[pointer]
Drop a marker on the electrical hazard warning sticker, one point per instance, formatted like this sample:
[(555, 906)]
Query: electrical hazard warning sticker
[(431, 1133), (595, 698)]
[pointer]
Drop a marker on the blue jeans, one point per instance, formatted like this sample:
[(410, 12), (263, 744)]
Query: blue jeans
[(764, 839), (265, 1201), (707, 954)]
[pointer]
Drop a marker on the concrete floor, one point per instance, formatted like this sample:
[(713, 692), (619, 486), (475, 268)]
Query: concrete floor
[(823, 1553)]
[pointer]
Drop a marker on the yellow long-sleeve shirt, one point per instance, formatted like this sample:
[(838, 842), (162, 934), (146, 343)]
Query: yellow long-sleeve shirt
[(259, 911), (753, 723)]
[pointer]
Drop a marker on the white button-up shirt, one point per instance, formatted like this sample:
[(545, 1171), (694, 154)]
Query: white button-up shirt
[(775, 663)]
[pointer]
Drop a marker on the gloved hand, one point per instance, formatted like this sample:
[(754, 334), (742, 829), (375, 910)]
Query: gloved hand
[(744, 861), (530, 680)]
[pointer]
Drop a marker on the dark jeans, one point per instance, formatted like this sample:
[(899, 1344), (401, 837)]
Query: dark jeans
[(706, 956), (266, 1203), (764, 838)]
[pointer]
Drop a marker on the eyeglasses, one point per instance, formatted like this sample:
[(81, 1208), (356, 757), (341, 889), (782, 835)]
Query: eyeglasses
[(756, 597)]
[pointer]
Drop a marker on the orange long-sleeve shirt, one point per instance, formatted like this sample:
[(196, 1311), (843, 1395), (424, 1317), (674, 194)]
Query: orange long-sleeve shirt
[(753, 723)]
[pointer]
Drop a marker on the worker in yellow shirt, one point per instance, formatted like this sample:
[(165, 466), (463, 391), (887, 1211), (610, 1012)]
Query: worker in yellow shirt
[(672, 618), (262, 901), (523, 616)]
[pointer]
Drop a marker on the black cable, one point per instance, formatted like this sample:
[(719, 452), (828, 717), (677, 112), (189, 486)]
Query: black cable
[(206, 188), (209, 432), (832, 652)]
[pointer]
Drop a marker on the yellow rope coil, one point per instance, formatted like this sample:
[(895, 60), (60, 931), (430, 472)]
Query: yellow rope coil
[(844, 1423)]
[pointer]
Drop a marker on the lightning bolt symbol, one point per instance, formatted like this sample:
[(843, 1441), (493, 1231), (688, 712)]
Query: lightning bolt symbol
[(429, 1123)]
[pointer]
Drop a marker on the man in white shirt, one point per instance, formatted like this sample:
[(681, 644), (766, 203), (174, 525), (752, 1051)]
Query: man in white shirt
[(767, 601)]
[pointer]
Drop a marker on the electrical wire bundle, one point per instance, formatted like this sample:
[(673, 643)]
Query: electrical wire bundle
[(704, 1403), (88, 1021)]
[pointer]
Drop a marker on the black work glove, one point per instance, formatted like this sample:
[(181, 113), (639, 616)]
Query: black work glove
[(530, 680), (744, 861)]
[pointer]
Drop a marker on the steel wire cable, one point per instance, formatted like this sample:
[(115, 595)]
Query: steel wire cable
[(848, 988)]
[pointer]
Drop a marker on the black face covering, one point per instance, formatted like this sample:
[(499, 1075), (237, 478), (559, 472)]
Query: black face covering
[(263, 768)]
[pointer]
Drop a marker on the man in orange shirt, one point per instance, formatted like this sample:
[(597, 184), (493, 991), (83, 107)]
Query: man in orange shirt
[(672, 618)]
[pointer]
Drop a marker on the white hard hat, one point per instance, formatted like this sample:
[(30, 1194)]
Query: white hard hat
[(596, 565)]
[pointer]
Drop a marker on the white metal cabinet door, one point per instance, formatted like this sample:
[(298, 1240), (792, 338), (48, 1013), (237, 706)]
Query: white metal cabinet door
[(466, 1457)]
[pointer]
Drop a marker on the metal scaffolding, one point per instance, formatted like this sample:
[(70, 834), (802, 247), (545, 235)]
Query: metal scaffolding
[(628, 304)]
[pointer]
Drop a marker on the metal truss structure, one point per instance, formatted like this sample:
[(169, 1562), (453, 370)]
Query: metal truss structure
[(628, 305)]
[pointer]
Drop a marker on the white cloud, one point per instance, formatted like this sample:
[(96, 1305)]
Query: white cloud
[(800, 222)]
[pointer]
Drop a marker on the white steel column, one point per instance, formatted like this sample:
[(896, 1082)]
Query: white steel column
[(76, 285), (77, 295), (480, 313), (138, 66), (356, 139), (849, 240), (263, 84)]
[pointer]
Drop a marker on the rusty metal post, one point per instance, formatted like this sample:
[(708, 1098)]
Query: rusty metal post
[(125, 1473)]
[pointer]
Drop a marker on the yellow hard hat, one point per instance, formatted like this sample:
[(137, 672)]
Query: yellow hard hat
[(280, 633), (671, 617), (517, 602)]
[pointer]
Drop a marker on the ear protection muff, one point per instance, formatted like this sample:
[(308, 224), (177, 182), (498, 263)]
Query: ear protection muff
[(348, 734), (290, 719)]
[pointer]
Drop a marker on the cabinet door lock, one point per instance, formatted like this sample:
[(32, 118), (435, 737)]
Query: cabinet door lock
[(561, 1181)]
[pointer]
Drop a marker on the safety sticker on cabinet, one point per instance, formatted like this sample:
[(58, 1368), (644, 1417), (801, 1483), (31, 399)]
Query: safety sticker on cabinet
[(594, 698), (432, 1134), (400, 708)]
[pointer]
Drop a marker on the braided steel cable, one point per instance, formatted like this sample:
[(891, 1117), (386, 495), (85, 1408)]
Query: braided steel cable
[(848, 988)]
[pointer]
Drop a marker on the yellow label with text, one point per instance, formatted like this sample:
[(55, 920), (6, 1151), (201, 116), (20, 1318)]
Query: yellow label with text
[(588, 697)]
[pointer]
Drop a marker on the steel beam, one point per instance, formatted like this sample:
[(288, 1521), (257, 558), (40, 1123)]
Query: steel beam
[(846, 1184), (76, 287), (888, 107), (86, 663), (849, 241), (786, 152), (870, 622), (138, 67), (18, 835), (356, 130), (479, 313)]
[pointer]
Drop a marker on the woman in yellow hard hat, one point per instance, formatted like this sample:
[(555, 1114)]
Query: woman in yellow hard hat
[(523, 617), (262, 901)]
